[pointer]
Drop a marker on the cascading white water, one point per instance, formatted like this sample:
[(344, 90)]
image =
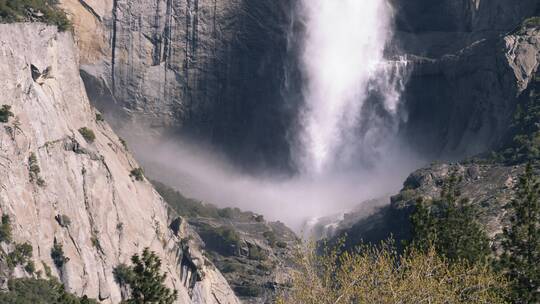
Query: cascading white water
[(352, 111), (342, 58)]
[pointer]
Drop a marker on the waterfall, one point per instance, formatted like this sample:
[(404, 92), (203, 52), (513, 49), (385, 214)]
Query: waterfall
[(351, 94)]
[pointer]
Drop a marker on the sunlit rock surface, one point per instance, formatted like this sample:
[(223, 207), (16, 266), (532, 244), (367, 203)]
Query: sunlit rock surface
[(111, 215)]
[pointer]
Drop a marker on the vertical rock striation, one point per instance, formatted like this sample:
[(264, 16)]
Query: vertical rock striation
[(472, 60), (213, 69), (82, 196)]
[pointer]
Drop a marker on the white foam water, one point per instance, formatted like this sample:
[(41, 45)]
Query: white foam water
[(344, 66)]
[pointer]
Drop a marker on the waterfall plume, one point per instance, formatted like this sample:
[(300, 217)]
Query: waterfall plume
[(344, 66)]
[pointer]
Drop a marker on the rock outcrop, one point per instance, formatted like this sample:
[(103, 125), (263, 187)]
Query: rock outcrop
[(254, 255), (257, 259), (65, 179), (490, 186), (472, 59)]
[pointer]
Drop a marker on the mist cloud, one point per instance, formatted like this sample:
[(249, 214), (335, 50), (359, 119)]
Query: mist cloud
[(201, 173)]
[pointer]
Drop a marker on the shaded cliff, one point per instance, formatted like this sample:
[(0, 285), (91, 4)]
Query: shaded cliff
[(65, 179), (471, 60), (210, 69)]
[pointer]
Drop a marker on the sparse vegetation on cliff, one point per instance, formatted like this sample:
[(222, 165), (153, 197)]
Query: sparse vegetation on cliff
[(145, 280), (88, 134), (35, 170), (532, 22), (224, 240), (5, 229), (138, 174), (5, 113), (57, 255), (34, 10), (20, 255)]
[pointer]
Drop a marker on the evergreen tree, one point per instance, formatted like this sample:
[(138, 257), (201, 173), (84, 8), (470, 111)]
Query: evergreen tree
[(521, 240), (146, 281), (5, 229), (450, 225)]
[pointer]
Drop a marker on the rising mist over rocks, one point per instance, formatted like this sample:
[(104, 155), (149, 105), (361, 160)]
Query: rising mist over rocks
[(311, 113), (294, 200), (239, 79)]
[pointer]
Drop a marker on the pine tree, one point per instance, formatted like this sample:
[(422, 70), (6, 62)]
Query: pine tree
[(147, 282), (5, 229), (521, 240), (450, 225)]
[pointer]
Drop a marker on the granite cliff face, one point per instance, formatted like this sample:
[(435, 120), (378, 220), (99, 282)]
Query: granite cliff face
[(211, 69), (226, 72), (61, 187), (471, 61)]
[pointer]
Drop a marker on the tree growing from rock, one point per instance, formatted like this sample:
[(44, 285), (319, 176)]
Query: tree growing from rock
[(450, 225), (520, 260), (5, 229), (145, 280)]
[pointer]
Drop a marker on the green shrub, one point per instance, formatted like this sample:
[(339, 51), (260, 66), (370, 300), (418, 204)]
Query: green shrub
[(33, 164), (123, 274), (145, 280), (264, 267), (270, 236), (48, 271), (532, 22), (257, 253), (281, 245), (5, 111), (27, 10), (138, 174), (520, 241), (408, 195), (450, 225), (5, 229), (259, 218), (231, 266), (248, 290), (95, 242), (99, 117), (226, 213), (123, 142), (230, 213), (88, 134), (20, 255), (35, 170), (57, 255), (224, 239), (39, 291), (30, 267), (184, 206)]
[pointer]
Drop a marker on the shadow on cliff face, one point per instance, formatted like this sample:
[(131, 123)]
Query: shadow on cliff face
[(244, 106), (203, 174)]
